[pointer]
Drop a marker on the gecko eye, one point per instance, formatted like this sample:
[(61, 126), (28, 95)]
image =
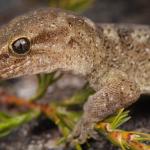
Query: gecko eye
[(21, 46)]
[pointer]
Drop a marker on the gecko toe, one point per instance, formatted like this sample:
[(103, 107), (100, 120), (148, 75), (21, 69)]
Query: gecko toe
[(82, 132)]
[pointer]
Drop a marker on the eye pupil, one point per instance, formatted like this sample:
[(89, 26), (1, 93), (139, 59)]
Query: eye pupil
[(21, 46)]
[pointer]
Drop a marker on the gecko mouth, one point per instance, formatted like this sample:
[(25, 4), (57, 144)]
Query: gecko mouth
[(35, 63), (13, 70)]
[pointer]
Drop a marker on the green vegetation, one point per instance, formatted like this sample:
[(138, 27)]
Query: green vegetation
[(66, 118), (74, 5)]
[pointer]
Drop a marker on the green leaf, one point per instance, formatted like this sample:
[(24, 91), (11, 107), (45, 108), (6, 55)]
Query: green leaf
[(74, 5), (4, 116), (118, 119), (44, 80), (7, 125), (79, 97), (78, 147)]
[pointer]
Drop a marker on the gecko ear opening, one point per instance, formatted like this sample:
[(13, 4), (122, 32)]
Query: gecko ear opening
[(20, 46)]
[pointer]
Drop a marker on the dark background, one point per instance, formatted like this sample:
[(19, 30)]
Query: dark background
[(133, 11), (38, 134)]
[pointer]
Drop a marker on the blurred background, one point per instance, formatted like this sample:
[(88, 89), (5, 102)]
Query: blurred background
[(133, 11), (38, 134)]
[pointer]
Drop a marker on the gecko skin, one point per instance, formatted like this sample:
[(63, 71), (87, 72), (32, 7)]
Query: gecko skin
[(115, 59)]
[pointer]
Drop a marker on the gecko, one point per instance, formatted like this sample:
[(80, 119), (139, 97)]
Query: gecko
[(113, 58)]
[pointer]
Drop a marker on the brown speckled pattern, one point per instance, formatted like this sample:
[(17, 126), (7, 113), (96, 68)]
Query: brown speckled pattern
[(115, 59)]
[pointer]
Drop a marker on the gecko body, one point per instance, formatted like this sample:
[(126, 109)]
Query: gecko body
[(115, 59)]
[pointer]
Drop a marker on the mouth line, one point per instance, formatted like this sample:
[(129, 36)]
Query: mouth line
[(5, 72), (11, 67)]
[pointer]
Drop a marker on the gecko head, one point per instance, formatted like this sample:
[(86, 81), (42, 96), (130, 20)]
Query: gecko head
[(43, 41)]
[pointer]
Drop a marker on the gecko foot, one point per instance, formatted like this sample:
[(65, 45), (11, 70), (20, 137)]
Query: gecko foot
[(82, 132)]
